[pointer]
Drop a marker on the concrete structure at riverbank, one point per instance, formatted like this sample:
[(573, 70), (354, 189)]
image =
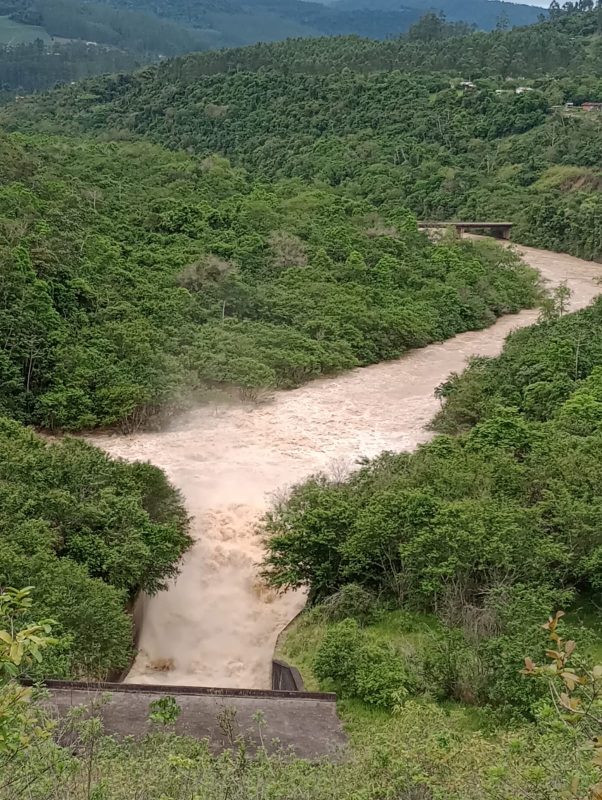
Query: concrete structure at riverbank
[(304, 723)]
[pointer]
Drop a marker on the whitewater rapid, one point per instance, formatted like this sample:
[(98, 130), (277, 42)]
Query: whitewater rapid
[(216, 625)]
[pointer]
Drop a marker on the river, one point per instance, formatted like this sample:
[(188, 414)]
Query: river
[(216, 625)]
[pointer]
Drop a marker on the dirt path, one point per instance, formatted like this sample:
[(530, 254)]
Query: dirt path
[(216, 625)]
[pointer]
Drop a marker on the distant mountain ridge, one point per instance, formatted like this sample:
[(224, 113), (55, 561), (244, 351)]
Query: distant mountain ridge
[(373, 18), (485, 15), (170, 27), (45, 42)]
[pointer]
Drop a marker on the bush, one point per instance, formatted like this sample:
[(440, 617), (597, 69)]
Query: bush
[(380, 677), (482, 664), (352, 601), (336, 657), (450, 667), (519, 611), (360, 667)]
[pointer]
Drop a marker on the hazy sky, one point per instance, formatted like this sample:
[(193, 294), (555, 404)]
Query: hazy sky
[(542, 3)]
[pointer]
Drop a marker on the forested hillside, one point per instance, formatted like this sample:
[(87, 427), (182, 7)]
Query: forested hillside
[(364, 17), (133, 277), (567, 42), (135, 31), (141, 31), (345, 114), (49, 42)]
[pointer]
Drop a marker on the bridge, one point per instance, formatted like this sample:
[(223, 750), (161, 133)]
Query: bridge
[(501, 230)]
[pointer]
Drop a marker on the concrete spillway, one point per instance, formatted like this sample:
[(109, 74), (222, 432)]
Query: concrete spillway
[(303, 722)]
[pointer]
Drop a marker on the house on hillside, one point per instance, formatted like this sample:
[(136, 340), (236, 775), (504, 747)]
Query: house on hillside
[(523, 89), (592, 106), (467, 86)]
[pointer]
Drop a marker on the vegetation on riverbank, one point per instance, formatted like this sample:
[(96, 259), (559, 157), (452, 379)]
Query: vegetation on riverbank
[(133, 277), (87, 533), (488, 529), (432, 571)]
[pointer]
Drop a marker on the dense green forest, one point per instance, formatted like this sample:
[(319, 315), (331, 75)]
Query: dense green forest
[(326, 111), (142, 31), (133, 277), (87, 533), (567, 43)]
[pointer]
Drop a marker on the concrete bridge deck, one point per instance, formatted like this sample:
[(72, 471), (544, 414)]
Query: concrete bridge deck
[(501, 230), (305, 722)]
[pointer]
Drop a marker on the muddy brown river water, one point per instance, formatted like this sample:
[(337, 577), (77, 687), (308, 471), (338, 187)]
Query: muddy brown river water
[(216, 625)]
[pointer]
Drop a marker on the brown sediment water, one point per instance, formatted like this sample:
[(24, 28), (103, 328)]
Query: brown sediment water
[(216, 625)]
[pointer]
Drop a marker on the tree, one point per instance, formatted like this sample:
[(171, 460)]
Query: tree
[(556, 305), (429, 27), (554, 9), (21, 643), (575, 688)]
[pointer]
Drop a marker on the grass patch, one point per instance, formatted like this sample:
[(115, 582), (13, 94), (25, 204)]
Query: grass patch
[(405, 631), (569, 178), (12, 32)]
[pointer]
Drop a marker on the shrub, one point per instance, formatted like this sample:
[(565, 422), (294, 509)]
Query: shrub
[(450, 667), (482, 664), (336, 657), (361, 667), (352, 601), (380, 678)]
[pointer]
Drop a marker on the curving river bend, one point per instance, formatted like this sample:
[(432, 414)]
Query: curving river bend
[(216, 625)]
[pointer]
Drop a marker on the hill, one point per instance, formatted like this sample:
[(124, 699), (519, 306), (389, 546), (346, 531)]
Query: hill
[(134, 277), (14, 33), (343, 113), (365, 18), (45, 42), (484, 15), (85, 38), (99, 23), (168, 27)]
